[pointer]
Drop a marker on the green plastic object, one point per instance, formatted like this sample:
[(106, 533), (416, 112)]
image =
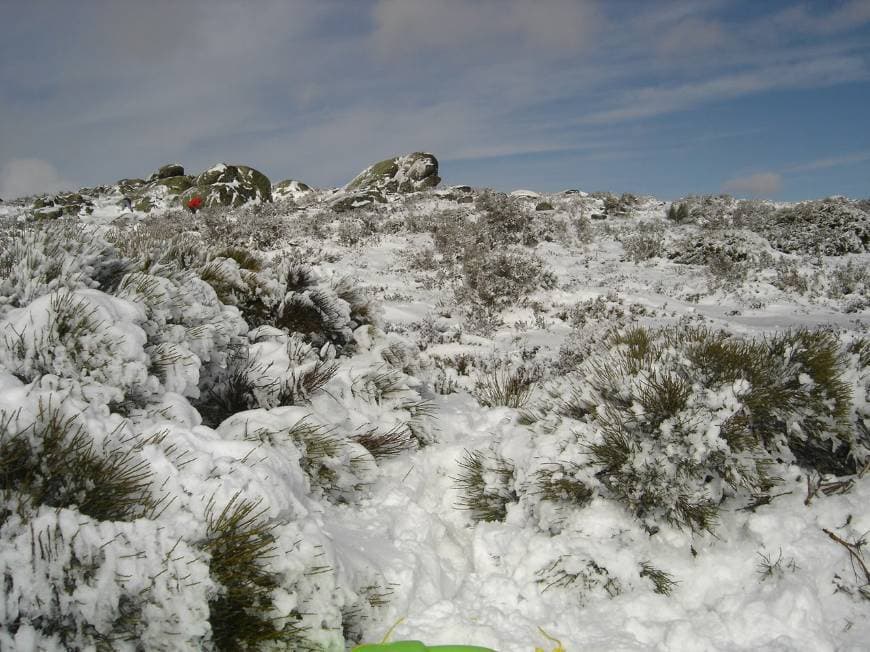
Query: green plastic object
[(417, 646)]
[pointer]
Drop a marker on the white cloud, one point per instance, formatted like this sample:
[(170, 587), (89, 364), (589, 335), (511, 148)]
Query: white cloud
[(650, 101), (490, 29), (29, 176), (831, 162), (763, 184)]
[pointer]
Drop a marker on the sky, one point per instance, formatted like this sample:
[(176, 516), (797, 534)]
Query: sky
[(754, 98)]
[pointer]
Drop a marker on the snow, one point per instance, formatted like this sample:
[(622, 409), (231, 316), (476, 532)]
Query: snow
[(356, 526)]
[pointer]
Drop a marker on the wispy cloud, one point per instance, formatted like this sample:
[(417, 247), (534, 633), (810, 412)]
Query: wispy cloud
[(319, 88), (651, 101), (763, 184), (830, 162)]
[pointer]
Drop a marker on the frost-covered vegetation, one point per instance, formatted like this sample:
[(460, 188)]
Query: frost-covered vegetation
[(287, 424)]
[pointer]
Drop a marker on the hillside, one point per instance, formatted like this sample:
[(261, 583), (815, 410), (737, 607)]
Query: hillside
[(298, 415)]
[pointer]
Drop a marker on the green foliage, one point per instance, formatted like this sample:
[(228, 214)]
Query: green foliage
[(557, 482), (660, 393), (242, 385), (579, 574), (302, 383), (678, 213), (497, 279), (663, 582), (386, 443), (505, 387), (240, 541), (485, 485), (55, 462)]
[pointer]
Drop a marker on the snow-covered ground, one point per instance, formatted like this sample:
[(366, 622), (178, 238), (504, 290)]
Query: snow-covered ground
[(357, 538)]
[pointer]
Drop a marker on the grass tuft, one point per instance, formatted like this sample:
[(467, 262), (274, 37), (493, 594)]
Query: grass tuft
[(505, 387), (55, 462), (485, 486), (240, 542)]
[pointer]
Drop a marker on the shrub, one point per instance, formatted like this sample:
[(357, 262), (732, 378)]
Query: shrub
[(582, 575), (618, 206), (654, 446), (644, 241), (240, 541), (58, 257), (55, 462), (242, 385), (485, 485), (504, 219), (681, 407), (830, 227), (505, 387), (562, 482), (678, 213), (498, 279)]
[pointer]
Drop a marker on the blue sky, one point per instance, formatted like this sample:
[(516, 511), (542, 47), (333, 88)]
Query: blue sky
[(755, 98)]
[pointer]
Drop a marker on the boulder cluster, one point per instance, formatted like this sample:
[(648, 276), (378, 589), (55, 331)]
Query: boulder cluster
[(237, 185)]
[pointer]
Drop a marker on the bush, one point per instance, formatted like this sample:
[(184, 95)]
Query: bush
[(58, 257), (679, 408), (239, 541), (505, 387), (54, 462), (644, 241), (504, 219), (501, 278), (830, 227), (678, 213), (485, 485)]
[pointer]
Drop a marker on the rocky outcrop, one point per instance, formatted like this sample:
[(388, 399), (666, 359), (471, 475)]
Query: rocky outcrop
[(401, 174), (289, 189), (229, 185), (168, 171), (63, 203)]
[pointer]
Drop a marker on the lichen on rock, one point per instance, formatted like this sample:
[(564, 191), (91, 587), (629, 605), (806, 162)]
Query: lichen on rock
[(401, 174)]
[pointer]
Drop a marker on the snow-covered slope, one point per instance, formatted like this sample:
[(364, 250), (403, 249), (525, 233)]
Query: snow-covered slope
[(282, 422)]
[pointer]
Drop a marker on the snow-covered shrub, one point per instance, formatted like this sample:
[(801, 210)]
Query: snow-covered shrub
[(500, 278), (708, 211), (678, 213), (55, 462), (563, 482), (239, 541), (661, 435), (851, 283), (831, 227), (618, 206), (584, 576), (73, 583), (751, 213), (504, 219), (241, 385), (712, 246), (791, 276), (485, 485), (683, 417), (62, 256), (84, 336), (505, 387), (643, 241), (356, 226), (815, 402)]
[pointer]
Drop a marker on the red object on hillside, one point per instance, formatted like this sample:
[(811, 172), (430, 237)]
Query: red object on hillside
[(195, 203)]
